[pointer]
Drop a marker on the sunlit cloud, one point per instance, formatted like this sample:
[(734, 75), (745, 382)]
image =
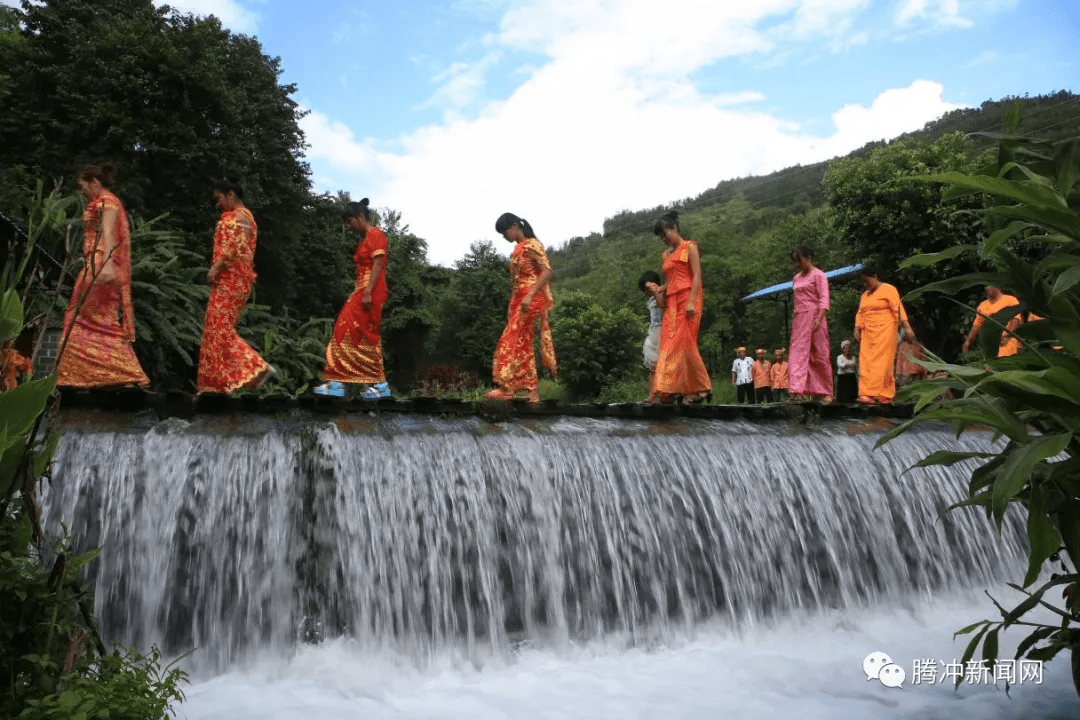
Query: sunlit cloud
[(611, 121), (940, 13)]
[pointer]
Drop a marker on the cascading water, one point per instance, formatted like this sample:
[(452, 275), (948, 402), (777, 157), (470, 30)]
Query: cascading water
[(421, 536)]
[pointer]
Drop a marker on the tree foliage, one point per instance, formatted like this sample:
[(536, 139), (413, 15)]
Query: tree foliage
[(472, 310), (1032, 399), (176, 103), (595, 346)]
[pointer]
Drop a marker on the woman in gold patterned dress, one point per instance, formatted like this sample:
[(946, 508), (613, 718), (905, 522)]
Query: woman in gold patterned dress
[(514, 366), (97, 351)]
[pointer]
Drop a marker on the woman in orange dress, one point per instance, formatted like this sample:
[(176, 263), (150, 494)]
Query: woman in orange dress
[(680, 369), (226, 361), (877, 324), (354, 354), (97, 351), (514, 366)]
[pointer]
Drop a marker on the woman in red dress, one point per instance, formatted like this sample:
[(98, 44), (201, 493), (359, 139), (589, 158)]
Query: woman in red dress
[(354, 354), (98, 352), (680, 369), (226, 361), (514, 365)]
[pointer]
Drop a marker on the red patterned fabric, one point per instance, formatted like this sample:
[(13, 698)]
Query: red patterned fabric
[(514, 365), (226, 361), (354, 354), (98, 351)]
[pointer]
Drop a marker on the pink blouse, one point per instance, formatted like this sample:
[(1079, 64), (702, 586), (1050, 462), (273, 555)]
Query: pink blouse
[(811, 291)]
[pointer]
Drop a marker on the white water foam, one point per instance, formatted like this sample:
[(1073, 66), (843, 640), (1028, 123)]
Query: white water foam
[(799, 668)]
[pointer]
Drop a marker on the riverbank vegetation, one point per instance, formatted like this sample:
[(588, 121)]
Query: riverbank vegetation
[(230, 114)]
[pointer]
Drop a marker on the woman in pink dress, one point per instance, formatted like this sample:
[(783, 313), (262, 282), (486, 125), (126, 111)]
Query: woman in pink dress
[(809, 369)]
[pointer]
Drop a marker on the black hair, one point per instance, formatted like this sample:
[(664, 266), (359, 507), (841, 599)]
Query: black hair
[(802, 251), (358, 209), (667, 220), (508, 220), (228, 185), (649, 276), (870, 271), (103, 172)]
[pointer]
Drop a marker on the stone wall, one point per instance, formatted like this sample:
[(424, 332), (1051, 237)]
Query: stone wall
[(48, 352)]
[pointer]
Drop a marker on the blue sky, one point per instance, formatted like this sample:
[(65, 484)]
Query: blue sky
[(568, 111)]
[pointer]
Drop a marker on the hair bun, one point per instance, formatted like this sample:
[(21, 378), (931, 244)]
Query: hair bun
[(364, 203)]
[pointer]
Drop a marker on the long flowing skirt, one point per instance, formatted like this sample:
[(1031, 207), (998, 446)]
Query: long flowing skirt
[(514, 365), (680, 369), (98, 351), (877, 360), (226, 361), (809, 369), (354, 353)]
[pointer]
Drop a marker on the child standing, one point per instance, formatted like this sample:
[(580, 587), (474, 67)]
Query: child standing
[(779, 377), (762, 372), (649, 283)]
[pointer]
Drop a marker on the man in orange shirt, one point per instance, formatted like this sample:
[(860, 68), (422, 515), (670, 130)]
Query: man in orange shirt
[(996, 301), (762, 372), (779, 376)]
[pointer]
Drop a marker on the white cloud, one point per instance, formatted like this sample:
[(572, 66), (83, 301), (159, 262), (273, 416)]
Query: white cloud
[(232, 14), (984, 58), (461, 83), (941, 13), (893, 113), (612, 120)]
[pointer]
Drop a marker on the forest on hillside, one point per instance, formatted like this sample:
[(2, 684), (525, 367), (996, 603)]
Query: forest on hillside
[(177, 101)]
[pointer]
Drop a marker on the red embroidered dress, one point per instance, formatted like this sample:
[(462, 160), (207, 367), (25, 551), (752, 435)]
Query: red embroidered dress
[(514, 366), (226, 361), (354, 354), (98, 351)]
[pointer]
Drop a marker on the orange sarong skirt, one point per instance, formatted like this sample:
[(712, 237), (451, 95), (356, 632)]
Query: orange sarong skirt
[(680, 369)]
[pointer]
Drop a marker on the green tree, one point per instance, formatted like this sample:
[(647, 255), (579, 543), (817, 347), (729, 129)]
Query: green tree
[(595, 347), (884, 215), (472, 310), (411, 310)]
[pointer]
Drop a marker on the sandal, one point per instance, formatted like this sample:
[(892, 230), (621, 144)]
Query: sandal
[(866, 400), (333, 388), (376, 391), (499, 394)]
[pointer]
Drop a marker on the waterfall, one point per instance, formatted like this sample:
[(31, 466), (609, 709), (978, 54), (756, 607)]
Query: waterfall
[(419, 534)]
